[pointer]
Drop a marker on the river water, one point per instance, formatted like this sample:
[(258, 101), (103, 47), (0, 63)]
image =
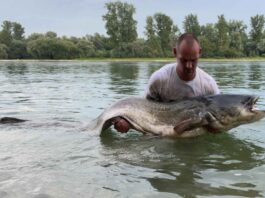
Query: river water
[(49, 156)]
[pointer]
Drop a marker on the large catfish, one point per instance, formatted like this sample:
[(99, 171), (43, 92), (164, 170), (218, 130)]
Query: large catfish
[(185, 118)]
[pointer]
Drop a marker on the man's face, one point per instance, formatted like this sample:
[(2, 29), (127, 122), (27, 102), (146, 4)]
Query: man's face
[(187, 56)]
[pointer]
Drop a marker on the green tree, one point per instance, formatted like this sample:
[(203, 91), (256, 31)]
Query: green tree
[(209, 31), (101, 44), (164, 29), (250, 48), (3, 51), (100, 41), (51, 34), (18, 50), (208, 40), (120, 24), (150, 31), (257, 31), (133, 49), (17, 31), (261, 47), (51, 47), (237, 26), (222, 35), (257, 25), (175, 33), (86, 48), (138, 48), (153, 44), (237, 36), (43, 48), (6, 33), (191, 25), (34, 36), (208, 47), (70, 50)]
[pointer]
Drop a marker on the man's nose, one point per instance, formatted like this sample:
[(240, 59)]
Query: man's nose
[(189, 65)]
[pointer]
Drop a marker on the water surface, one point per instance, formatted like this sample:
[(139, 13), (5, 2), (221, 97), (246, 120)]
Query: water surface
[(49, 157)]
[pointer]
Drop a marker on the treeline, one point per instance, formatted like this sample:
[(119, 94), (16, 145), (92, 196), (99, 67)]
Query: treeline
[(221, 39)]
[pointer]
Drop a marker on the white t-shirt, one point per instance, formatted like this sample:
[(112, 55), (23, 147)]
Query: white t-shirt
[(165, 85)]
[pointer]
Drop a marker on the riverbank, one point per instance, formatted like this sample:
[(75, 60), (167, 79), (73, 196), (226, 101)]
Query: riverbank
[(254, 59), (173, 59)]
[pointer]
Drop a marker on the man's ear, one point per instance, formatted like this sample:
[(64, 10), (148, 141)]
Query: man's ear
[(175, 51), (200, 52)]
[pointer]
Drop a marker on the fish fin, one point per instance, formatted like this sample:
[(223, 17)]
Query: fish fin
[(209, 117), (212, 124), (187, 124), (182, 126)]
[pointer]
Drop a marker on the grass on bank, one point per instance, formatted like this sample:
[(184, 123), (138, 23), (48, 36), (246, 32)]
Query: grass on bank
[(247, 59), (171, 59)]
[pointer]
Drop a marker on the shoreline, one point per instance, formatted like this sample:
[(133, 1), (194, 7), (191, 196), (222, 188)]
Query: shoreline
[(260, 59)]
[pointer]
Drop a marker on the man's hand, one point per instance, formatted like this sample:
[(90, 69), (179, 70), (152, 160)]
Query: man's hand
[(121, 125)]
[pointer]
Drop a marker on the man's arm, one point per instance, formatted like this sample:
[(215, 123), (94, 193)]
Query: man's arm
[(151, 93), (153, 87), (210, 86), (215, 88)]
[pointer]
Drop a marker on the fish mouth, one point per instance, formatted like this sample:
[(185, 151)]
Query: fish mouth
[(251, 104)]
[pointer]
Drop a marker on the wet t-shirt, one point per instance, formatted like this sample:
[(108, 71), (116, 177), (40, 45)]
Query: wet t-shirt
[(165, 85)]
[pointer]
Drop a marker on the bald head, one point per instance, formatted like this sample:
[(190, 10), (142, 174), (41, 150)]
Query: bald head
[(189, 48), (187, 52), (189, 40)]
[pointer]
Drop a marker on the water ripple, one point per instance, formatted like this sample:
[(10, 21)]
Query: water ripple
[(48, 156)]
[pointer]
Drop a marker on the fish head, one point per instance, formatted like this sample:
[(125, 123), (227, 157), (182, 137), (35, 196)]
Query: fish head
[(229, 111)]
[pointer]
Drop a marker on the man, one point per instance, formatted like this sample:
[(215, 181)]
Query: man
[(178, 80)]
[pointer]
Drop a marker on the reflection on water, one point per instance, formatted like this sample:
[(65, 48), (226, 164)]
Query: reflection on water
[(50, 157), (124, 78), (237, 75), (256, 76), (230, 75), (16, 69), (182, 164), (153, 67)]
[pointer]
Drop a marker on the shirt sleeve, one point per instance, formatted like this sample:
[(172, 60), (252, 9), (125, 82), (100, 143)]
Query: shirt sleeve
[(214, 87), (153, 87)]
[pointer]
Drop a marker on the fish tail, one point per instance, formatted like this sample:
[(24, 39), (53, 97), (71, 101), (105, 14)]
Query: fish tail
[(10, 120)]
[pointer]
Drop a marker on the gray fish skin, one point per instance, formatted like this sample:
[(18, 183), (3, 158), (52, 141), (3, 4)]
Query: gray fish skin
[(186, 118)]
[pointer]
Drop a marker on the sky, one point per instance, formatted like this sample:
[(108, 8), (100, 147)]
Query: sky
[(82, 17)]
